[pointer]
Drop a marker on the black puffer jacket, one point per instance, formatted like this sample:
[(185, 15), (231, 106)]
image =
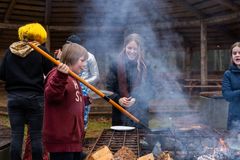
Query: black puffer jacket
[(24, 74)]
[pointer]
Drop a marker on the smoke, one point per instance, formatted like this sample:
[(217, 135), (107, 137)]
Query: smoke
[(107, 22), (112, 20)]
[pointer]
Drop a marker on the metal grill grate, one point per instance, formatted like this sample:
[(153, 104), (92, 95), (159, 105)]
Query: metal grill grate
[(183, 144), (116, 139)]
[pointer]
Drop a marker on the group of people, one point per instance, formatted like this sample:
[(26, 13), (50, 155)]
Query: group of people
[(54, 105)]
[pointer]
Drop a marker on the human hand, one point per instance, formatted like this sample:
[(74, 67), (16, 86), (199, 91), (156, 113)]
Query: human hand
[(58, 53), (131, 101), (90, 99), (63, 68), (126, 102)]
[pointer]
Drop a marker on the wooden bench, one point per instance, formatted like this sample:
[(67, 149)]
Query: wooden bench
[(196, 81), (191, 87), (211, 93)]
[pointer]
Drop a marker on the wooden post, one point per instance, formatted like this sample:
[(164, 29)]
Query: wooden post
[(188, 62), (204, 59), (48, 42)]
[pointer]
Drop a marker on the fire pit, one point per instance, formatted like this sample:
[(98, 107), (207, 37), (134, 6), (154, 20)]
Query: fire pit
[(5, 140), (116, 139), (199, 144)]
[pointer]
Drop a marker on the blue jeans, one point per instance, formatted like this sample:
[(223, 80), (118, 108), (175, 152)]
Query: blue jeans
[(85, 92), (25, 110)]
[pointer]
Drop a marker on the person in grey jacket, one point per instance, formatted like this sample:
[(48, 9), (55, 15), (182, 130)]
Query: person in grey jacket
[(90, 73)]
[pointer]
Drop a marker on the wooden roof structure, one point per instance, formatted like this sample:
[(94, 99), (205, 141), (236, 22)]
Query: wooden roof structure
[(221, 19)]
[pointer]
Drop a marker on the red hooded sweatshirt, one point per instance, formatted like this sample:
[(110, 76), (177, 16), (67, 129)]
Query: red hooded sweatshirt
[(63, 113)]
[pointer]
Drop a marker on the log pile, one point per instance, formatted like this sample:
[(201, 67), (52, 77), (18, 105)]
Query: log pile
[(104, 153)]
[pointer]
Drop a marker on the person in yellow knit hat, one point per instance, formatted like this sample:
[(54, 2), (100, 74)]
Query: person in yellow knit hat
[(23, 70)]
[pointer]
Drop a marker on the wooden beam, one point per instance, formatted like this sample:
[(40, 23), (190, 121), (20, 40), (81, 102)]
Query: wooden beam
[(195, 23), (201, 15), (48, 42), (228, 33), (204, 60), (229, 4), (188, 61), (9, 26), (9, 10), (186, 41), (84, 28), (47, 15), (160, 25), (190, 8)]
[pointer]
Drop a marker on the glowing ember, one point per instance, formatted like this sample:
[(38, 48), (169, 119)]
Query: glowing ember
[(223, 146), (219, 153)]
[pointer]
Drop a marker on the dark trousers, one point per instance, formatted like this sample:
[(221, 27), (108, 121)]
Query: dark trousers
[(137, 110), (66, 156), (116, 117), (22, 110)]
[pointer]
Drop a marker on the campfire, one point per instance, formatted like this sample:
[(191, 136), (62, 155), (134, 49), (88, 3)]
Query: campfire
[(198, 144), (219, 153), (124, 153), (222, 151)]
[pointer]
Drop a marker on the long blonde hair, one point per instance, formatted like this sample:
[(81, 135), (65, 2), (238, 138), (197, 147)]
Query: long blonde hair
[(140, 54)]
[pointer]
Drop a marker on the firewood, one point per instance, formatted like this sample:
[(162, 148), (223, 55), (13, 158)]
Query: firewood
[(146, 157), (125, 154), (103, 153), (165, 156)]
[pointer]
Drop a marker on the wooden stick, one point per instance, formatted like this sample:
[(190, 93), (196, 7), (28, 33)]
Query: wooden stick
[(74, 75)]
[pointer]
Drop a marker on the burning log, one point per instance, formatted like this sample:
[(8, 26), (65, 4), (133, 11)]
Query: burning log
[(124, 154)]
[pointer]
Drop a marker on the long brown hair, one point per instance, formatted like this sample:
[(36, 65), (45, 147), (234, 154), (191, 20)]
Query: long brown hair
[(71, 52), (140, 54), (141, 66), (236, 44)]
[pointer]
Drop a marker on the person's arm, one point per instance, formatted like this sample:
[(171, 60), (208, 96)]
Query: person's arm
[(112, 83), (93, 69), (3, 67), (87, 100), (229, 94), (56, 86)]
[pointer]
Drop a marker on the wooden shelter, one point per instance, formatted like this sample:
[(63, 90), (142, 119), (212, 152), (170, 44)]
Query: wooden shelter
[(202, 24)]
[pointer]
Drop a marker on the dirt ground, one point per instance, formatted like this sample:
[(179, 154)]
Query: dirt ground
[(3, 97)]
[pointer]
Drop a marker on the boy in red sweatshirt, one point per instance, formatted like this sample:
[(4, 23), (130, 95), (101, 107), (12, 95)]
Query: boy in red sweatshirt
[(64, 105)]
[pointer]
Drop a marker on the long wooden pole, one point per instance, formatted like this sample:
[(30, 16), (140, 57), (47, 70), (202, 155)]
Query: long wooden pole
[(74, 75)]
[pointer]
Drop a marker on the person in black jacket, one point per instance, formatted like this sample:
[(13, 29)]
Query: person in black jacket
[(129, 79), (231, 87), (23, 70)]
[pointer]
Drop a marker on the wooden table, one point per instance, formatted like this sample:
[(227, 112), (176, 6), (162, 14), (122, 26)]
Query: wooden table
[(212, 84), (211, 94), (190, 81)]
